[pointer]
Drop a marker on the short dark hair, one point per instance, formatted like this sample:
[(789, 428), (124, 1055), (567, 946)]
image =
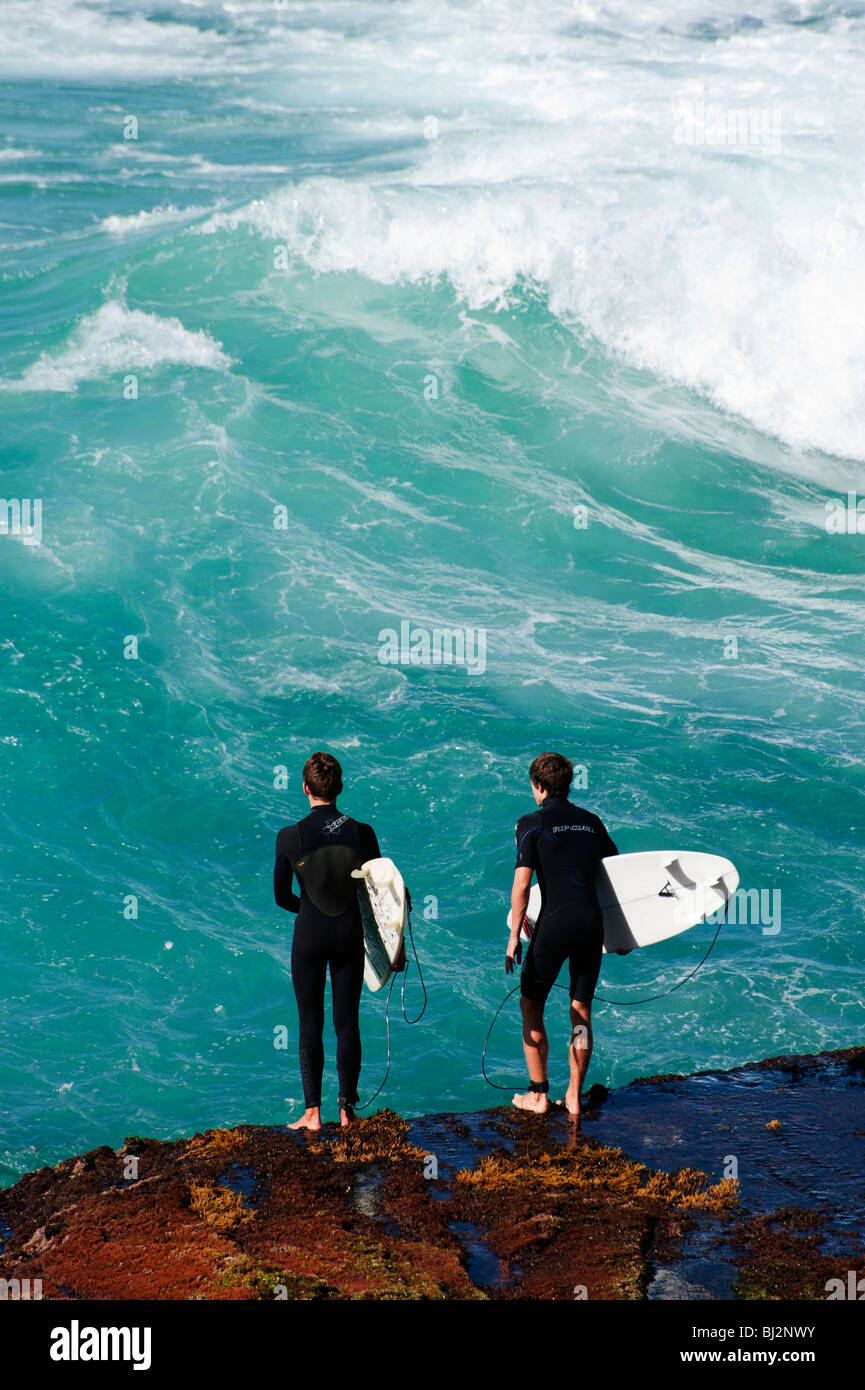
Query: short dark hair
[(323, 775), (553, 773)]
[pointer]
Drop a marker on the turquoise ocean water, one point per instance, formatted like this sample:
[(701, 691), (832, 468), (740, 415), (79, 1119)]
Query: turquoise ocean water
[(539, 321)]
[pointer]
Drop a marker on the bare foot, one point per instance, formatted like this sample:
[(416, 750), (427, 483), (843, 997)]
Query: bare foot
[(535, 1101), (310, 1119), (346, 1117), (572, 1105)]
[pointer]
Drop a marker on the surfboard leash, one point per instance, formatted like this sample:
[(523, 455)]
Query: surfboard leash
[(650, 998), (410, 1021), (387, 1069), (620, 1003), (495, 1085)]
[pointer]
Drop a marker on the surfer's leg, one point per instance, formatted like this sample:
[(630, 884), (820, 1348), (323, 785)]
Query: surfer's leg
[(585, 966), (536, 1047), (579, 1053), (308, 971), (346, 979), (542, 964)]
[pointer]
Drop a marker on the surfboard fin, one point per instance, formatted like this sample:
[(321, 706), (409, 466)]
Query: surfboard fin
[(675, 870)]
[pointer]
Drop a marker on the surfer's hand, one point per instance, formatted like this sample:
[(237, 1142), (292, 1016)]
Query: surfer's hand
[(515, 953)]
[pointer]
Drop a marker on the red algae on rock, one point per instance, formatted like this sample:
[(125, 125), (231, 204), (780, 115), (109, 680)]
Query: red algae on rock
[(501, 1208), (592, 1166), (581, 1220), (780, 1257), (177, 1229)]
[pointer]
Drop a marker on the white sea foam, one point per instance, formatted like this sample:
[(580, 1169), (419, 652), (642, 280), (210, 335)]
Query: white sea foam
[(582, 146), (120, 225), (756, 310), (595, 172), (11, 152), (114, 340), (92, 42)]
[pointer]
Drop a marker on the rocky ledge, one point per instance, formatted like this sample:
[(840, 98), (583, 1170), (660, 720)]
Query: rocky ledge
[(742, 1184)]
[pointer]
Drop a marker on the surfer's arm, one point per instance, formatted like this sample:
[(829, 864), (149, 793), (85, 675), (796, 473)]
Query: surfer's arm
[(282, 877), (525, 836), (607, 847), (368, 842), (519, 903)]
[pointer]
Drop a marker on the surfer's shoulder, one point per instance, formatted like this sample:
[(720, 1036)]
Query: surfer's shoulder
[(530, 821), (367, 839), (286, 839)]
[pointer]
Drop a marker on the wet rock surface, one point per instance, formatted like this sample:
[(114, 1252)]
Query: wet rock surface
[(746, 1184)]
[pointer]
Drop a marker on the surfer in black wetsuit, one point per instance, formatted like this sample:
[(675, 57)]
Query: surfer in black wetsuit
[(321, 850), (563, 845)]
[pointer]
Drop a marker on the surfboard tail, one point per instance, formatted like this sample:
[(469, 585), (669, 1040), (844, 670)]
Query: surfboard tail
[(383, 908)]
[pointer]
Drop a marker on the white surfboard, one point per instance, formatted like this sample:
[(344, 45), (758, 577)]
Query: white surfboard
[(653, 895), (382, 898)]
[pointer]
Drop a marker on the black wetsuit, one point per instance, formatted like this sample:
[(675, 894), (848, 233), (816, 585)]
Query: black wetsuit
[(564, 845), (321, 850)]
